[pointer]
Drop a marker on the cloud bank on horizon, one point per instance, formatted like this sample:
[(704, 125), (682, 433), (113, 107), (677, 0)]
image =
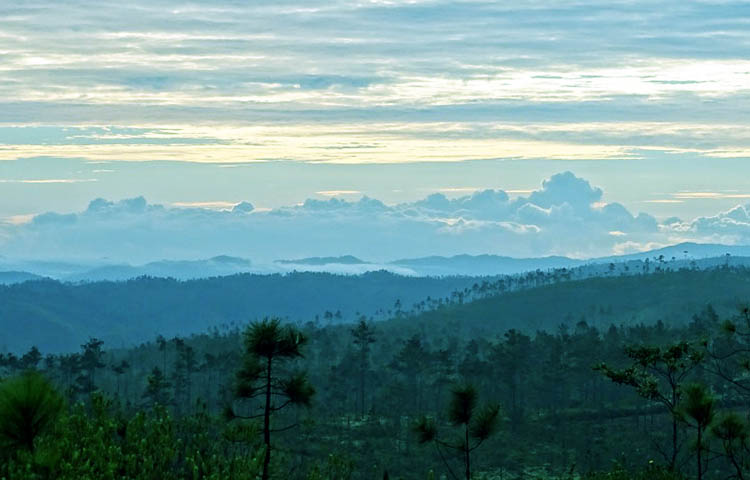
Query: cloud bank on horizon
[(565, 216)]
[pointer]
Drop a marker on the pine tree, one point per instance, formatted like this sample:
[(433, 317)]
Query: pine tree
[(157, 389), (29, 407), (268, 345), (89, 362), (364, 335), (477, 426), (697, 408), (657, 374)]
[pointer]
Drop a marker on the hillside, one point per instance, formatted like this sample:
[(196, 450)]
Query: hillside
[(59, 316), (7, 278), (484, 264), (672, 297)]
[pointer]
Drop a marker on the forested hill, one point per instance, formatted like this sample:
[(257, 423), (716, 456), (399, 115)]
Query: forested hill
[(59, 317), (8, 278), (670, 296)]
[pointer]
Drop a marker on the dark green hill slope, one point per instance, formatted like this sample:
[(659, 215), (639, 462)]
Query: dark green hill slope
[(59, 316), (673, 297)]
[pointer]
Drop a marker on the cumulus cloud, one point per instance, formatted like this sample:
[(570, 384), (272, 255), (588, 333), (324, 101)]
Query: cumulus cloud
[(565, 216), (732, 226), (566, 188)]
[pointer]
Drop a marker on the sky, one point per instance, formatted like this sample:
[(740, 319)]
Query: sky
[(198, 106)]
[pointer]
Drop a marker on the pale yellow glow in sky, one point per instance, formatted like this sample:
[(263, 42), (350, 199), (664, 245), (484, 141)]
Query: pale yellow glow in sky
[(323, 149), (387, 142), (653, 78)]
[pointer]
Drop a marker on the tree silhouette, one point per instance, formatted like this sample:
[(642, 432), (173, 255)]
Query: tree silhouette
[(267, 346), (733, 433), (162, 342), (30, 360), (119, 370), (364, 335), (509, 360), (89, 362), (697, 408), (157, 388), (658, 373), (29, 406), (412, 361), (477, 426), (729, 353), (182, 377)]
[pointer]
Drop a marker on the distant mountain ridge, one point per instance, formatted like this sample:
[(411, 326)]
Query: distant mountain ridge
[(8, 278), (57, 316), (480, 265), (682, 251), (457, 265), (178, 269), (342, 260)]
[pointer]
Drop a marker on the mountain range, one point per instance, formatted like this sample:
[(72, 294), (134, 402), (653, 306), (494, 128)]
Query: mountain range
[(461, 265)]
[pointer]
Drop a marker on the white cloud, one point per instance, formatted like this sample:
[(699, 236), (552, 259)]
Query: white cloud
[(211, 205), (732, 225), (42, 181), (336, 193), (564, 216)]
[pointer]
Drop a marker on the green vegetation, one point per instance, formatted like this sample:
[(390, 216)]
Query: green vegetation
[(267, 347), (58, 317), (29, 406), (477, 426), (582, 399)]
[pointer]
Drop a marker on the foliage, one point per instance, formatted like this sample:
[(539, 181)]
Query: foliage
[(29, 407), (268, 346), (462, 412), (99, 443), (156, 407)]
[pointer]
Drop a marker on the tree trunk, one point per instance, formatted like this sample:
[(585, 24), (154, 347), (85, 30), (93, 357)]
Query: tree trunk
[(362, 371), (673, 461), (467, 454), (700, 448), (267, 423)]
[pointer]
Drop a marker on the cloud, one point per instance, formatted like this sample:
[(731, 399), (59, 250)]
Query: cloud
[(499, 82), (213, 205), (42, 181), (566, 188), (732, 225), (710, 195), (565, 216), (336, 193)]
